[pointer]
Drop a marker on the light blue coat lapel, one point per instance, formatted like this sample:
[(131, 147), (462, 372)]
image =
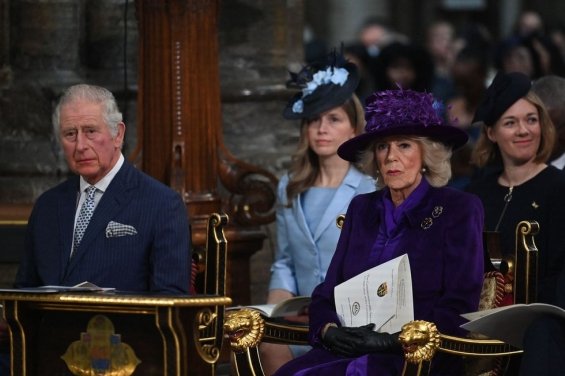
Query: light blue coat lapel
[(298, 213), (340, 201)]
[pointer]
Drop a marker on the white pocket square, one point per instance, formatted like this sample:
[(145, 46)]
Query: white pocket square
[(115, 229)]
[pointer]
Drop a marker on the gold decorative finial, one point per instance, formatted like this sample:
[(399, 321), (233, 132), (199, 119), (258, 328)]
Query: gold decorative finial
[(244, 328), (420, 341)]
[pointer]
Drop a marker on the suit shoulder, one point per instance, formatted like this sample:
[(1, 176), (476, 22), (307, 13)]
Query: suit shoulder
[(154, 186), (64, 187)]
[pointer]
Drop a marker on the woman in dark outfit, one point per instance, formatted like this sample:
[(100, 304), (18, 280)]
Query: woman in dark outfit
[(517, 137)]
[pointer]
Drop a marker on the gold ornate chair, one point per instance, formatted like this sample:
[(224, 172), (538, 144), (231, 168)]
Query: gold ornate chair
[(247, 328), (209, 277)]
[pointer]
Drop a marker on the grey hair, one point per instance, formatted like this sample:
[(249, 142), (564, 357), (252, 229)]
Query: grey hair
[(436, 159), (94, 94)]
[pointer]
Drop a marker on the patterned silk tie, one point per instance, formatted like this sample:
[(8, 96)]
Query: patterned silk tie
[(84, 216)]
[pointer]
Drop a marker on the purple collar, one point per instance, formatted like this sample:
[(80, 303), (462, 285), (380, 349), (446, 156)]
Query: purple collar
[(393, 215)]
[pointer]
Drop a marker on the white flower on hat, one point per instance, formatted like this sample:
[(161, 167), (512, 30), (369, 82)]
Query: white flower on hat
[(336, 76), (298, 106), (339, 76)]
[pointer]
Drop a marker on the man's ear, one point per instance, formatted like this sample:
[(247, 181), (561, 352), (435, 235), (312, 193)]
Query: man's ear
[(120, 135)]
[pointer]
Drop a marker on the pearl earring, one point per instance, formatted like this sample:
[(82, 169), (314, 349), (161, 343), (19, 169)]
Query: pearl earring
[(423, 170)]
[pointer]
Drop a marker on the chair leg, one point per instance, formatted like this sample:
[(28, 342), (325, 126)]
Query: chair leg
[(411, 369), (247, 363)]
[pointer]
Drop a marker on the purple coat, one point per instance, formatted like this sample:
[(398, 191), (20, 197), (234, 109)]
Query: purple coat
[(442, 235)]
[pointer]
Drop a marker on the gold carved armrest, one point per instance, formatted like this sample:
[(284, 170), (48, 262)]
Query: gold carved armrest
[(246, 329), (421, 340)]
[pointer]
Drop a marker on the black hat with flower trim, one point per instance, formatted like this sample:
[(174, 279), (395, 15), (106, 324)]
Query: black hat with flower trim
[(503, 92), (324, 85), (406, 113)]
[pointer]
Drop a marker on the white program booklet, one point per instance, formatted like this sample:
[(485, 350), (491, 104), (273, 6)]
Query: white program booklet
[(381, 296), (509, 323)]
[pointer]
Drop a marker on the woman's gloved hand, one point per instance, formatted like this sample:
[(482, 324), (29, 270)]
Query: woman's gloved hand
[(353, 342)]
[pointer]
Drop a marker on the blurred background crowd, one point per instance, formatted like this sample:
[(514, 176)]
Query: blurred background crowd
[(454, 62)]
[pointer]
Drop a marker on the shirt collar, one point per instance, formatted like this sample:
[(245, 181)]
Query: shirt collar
[(103, 183)]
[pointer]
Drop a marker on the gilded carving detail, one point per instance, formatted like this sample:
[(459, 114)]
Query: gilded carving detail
[(206, 337), (100, 351), (244, 328), (420, 341)]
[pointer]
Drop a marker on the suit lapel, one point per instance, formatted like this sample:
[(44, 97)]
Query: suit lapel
[(67, 209), (112, 202)]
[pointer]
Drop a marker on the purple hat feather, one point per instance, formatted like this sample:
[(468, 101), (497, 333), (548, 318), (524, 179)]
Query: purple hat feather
[(392, 108), (402, 112)]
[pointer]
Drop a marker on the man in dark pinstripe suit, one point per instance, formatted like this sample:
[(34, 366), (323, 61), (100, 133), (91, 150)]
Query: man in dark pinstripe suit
[(137, 237)]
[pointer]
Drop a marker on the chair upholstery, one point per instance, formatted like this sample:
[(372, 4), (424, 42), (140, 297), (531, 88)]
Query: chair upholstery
[(246, 328)]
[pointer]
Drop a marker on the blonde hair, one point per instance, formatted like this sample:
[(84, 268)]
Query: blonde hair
[(305, 166), (435, 158), (486, 151)]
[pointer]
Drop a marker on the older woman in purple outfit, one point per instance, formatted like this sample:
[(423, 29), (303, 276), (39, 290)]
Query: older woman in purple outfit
[(407, 147)]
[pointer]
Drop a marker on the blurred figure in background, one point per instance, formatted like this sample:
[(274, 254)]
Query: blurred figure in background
[(406, 65), (314, 48), (440, 38), (357, 54), (374, 35), (551, 90), (530, 50), (529, 22), (469, 74)]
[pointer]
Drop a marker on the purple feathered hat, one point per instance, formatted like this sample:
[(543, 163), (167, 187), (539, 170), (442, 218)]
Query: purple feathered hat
[(402, 112)]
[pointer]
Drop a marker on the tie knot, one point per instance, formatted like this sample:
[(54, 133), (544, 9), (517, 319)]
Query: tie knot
[(90, 191)]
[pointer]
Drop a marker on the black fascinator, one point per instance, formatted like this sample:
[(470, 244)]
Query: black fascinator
[(323, 85), (503, 92)]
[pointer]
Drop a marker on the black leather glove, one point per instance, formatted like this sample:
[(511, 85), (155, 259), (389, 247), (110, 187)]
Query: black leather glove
[(341, 340), (371, 341), (353, 342)]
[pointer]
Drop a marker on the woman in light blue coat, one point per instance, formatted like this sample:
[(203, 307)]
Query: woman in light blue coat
[(318, 186), (304, 253)]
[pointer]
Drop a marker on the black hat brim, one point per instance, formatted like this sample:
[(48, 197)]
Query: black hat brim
[(325, 97), (505, 90)]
